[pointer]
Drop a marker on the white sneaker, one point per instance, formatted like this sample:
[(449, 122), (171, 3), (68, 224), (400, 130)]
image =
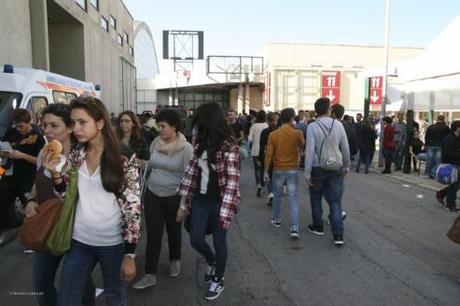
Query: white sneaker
[(28, 251), (148, 280), (174, 268), (295, 232)]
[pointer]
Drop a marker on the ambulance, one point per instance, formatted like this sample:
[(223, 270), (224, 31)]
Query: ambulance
[(34, 89)]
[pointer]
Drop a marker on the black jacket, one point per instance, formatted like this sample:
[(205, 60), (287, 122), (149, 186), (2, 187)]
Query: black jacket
[(351, 137), (451, 150), (264, 142), (436, 133), (366, 139)]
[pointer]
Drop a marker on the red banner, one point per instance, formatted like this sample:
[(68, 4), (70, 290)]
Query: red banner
[(375, 90), (330, 86)]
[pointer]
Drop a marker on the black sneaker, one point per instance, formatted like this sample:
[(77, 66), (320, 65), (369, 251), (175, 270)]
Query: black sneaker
[(270, 200), (215, 289), (344, 215), (316, 229), (276, 222), (259, 191), (338, 240), (210, 273)]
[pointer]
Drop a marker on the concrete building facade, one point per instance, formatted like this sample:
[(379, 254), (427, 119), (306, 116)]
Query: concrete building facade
[(295, 70), (90, 40)]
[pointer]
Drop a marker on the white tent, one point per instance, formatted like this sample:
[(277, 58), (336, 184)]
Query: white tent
[(432, 81), (440, 58)]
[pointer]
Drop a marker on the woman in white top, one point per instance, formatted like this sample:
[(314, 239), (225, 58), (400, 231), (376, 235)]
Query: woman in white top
[(107, 216), (56, 124), (254, 138)]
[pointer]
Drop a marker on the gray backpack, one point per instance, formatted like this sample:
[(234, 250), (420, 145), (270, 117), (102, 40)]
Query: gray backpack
[(330, 156)]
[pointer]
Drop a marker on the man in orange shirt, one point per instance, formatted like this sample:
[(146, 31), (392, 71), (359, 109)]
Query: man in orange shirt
[(283, 153)]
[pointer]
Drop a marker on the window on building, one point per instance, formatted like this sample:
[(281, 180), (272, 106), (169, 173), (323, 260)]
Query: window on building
[(126, 37), (131, 50), (120, 39), (95, 4), (81, 3), (105, 24), (113, 22)]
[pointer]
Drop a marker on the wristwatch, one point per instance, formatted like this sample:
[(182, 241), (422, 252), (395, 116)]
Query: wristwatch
[(131, 255)]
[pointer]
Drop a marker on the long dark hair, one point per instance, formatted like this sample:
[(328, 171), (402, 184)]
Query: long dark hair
[(136, 133), (367, 124), (112, 174), (213, 130)]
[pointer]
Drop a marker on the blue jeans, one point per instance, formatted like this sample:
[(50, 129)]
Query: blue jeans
[(80, 261), (365, 158), (270, 183), (398, 154), (434, 159), (45, 266), (291, 179), (330, 184), (201, 211), (258, 171), (422, 156)]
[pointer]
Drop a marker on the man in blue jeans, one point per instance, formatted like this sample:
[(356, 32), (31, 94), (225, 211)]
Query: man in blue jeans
[(283, 152), (322, 181), (433, 140)]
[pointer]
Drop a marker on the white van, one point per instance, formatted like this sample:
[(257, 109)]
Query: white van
[(34, 89)]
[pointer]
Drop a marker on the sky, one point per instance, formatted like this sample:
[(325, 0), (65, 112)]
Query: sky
[(243, 27)]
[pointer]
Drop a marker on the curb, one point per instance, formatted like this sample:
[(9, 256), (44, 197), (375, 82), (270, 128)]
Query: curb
[(404, 179)]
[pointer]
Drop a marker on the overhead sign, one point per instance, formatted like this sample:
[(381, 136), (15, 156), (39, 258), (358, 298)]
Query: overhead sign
[(375, 90), (330, 86)]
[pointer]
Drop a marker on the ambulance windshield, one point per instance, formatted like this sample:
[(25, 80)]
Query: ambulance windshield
[(8, 102)]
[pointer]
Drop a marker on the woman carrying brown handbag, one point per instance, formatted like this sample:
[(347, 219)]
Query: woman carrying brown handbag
[(57, 125)]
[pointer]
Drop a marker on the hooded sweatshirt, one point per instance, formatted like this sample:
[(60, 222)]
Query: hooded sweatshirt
[(315, 137), (167, 162)]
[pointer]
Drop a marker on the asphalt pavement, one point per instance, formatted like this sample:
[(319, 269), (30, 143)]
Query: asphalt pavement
[(396, 253)]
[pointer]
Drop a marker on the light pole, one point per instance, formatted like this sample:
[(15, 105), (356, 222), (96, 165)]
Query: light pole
[(385, 83)]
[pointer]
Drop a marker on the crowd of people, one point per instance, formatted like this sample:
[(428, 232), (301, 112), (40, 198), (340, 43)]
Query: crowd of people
[(171, 173)]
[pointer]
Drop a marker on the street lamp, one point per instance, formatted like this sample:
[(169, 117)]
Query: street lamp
[(385, 84)]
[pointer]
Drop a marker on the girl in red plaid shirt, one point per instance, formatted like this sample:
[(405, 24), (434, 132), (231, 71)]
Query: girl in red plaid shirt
[(210, 186)]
